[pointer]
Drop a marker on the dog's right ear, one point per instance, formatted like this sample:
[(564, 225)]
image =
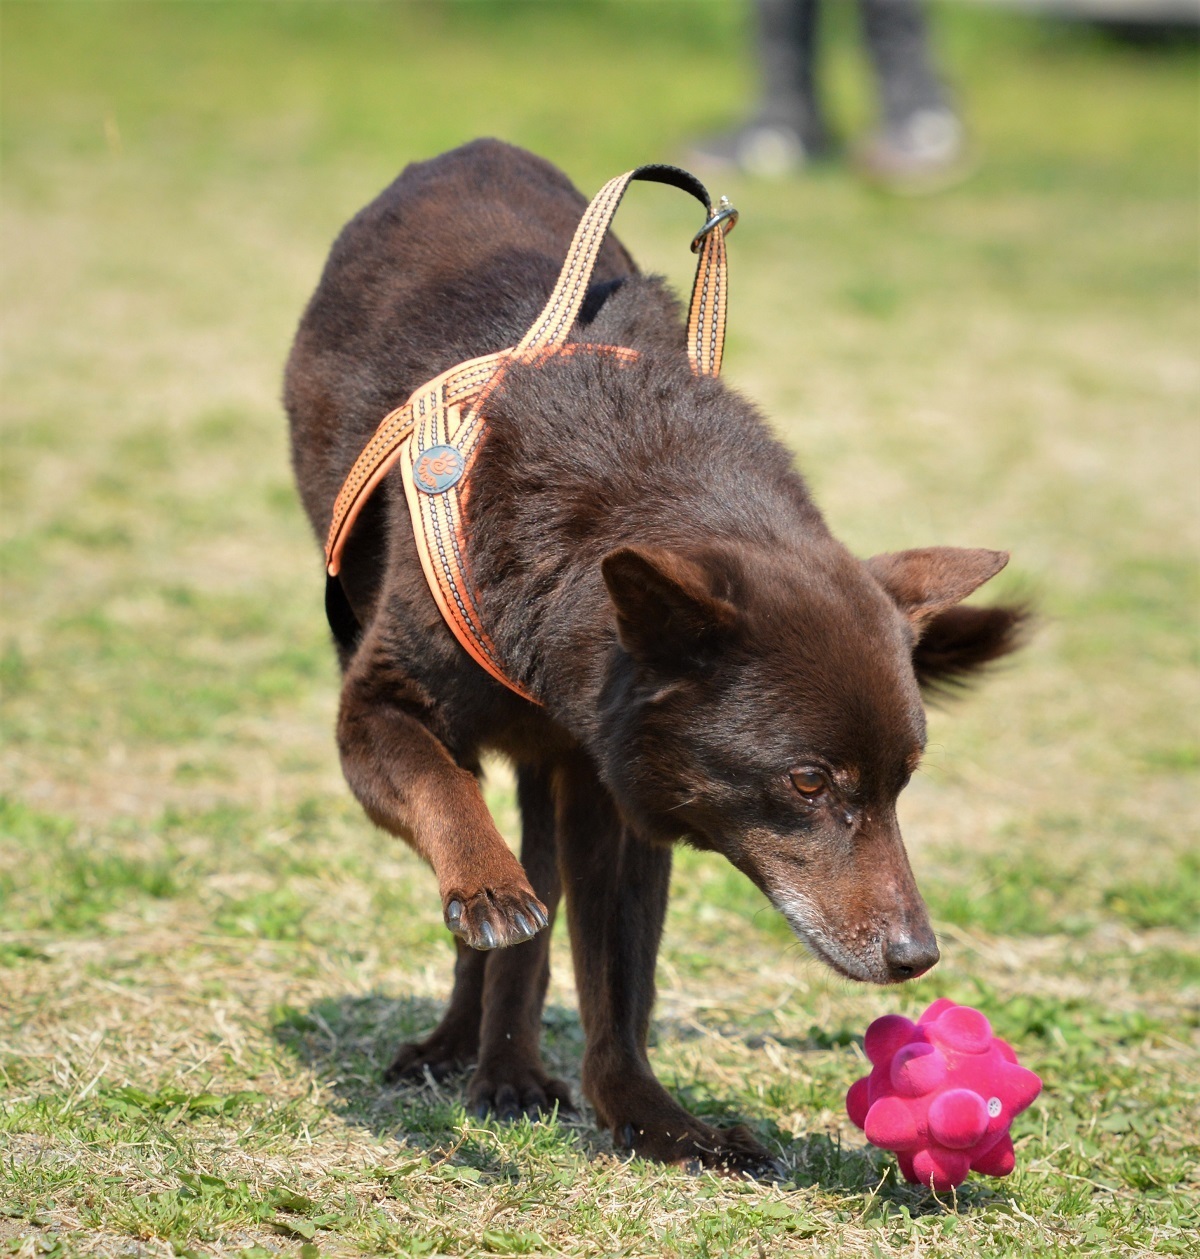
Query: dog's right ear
[(669, 611), (930, 579), (953, 643)]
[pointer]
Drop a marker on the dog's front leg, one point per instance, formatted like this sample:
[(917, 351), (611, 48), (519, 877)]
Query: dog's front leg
[(410, 785), (617, 887)]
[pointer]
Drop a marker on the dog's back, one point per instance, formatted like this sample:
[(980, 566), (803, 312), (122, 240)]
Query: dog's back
[(452, 260)]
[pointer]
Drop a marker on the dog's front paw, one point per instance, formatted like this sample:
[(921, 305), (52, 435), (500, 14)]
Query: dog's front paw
[(509, 1091), (494, 917), (727, 1151)]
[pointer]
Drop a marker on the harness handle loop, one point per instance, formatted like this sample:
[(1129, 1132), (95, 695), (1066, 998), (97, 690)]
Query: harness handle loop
[(706, 312)]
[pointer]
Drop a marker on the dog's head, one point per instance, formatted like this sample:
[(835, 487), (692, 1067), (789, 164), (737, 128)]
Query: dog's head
[(768, 706)]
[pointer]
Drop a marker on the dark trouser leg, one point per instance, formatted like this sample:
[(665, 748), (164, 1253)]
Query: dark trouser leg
[(616, 888), (920, 143), (787, 58), (897, 40)]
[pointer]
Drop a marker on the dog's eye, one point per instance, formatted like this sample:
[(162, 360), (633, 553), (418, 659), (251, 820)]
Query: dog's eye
[(810, 783)]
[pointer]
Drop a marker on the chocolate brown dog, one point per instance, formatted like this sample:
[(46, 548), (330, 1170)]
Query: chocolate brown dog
[(715, 667)]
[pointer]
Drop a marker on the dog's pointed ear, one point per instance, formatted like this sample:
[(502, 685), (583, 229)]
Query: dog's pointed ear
[(669, 605), (931, 579)]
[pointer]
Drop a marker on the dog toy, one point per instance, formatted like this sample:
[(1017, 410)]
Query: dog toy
[(942, 1095)]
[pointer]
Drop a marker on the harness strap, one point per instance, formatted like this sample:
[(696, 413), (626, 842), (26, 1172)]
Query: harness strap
[(706, 314), (386, 446), (436, 434)]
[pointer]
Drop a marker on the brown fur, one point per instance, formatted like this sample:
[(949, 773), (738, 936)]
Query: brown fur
[(716, 667)]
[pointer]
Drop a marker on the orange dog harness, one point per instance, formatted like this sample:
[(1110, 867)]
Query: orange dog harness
[(436, 434)]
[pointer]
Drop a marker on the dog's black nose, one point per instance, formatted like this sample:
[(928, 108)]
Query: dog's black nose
[(908, 956)]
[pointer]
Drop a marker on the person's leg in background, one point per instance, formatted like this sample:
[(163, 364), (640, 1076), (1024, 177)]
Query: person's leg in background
[(920, 139), (789, 126)]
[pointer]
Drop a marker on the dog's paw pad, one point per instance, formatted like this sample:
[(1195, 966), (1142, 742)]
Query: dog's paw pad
[(495, 918)]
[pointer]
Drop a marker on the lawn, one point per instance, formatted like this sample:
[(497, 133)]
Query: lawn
[(207, 953)]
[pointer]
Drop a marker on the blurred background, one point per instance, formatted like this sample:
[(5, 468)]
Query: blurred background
[(1013, 362)]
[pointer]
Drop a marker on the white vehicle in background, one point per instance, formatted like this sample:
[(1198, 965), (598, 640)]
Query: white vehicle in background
[(1133, 16)]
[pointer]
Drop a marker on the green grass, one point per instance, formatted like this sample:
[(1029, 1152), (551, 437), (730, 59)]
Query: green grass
[(207, 954)]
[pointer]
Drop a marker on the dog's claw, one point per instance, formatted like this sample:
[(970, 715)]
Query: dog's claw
[(508, 1104), (437, 1057), (494, 918), (507, 1092)]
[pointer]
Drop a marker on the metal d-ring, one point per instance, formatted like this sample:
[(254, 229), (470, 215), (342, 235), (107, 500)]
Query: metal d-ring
[(725, 213)]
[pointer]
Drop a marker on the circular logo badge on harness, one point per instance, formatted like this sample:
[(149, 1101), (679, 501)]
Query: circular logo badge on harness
[(437, 469)]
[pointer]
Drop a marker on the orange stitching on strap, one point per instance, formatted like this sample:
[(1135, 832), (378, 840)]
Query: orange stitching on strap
[(447, 411)]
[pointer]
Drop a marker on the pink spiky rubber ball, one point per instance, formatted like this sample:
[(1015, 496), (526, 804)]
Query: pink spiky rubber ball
[(942, 1094)]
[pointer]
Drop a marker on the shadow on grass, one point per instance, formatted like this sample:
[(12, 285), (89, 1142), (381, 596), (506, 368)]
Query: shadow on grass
[(348, 1042), (820, 1161)]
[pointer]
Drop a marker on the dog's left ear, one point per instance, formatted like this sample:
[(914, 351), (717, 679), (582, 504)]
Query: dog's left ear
[(952, 643), (931, 579), (668, 605)]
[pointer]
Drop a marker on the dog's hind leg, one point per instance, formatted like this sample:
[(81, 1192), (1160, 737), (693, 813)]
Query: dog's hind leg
[(510, 1080), (496, 1008), (409, 784), (453, 1045), (616, 887)]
